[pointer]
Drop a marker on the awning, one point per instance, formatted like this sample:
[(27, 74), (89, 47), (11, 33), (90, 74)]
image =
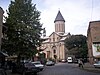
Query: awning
[(97, 56), (3, 54), (12, 57)]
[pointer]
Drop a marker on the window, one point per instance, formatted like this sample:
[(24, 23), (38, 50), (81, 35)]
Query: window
[(54, 51), (53, 39)]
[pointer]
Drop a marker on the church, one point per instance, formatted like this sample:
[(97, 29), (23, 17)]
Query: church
[(54, 45)]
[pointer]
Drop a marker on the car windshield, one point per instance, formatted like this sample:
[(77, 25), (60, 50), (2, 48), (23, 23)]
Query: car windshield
[(29, 64), (49, 62), (98, 62), (36, 62), (1, 72)]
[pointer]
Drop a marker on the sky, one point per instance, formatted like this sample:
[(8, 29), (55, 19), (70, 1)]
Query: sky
[(77, 13)]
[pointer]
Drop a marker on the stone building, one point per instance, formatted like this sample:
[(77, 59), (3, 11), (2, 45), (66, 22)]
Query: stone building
[(1, 24), (93, 41), (2, 54), (54, 45)]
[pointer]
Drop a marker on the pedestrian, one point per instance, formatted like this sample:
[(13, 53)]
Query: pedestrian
[(80, 63), (9, 63), (13, 67)]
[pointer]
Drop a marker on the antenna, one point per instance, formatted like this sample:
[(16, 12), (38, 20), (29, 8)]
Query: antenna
[(91, 9), (58, 8)]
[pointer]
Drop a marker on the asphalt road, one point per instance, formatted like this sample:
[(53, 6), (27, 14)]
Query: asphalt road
[(65, 69)]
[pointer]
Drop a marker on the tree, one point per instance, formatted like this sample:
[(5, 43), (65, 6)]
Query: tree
[(24, 28), (77, 46)]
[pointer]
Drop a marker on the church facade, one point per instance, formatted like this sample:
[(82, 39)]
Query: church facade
[(54, 45)]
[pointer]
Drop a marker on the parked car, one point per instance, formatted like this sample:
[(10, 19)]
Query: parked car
[(39, 65), (63, 61), (97, 64), (50, 63), (2, 72), (26, 68), (75, 61)]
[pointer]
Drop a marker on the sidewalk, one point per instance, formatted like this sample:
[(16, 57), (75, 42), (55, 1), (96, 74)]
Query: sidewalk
[(10, 73), (89, 67)]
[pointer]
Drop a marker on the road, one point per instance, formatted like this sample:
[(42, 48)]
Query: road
[(65, 69)]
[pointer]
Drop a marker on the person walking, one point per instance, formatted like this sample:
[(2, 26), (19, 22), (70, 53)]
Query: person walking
[(80, 63)]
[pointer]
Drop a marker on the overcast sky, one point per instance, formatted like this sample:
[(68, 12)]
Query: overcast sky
[(77, 13)]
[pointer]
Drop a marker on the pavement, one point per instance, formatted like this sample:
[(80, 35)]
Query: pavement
[(9, 72), (91, 68), (86, 67)]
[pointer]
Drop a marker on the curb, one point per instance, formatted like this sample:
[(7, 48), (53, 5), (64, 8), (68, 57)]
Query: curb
[(88, 67), (92, 70)]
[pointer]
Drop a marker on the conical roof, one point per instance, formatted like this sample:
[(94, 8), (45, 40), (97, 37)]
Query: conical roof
[(59, 17)]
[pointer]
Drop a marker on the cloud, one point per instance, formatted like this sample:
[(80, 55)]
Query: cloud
[(77, 14)]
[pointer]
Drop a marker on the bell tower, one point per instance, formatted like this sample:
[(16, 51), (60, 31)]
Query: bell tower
[(59, 23)]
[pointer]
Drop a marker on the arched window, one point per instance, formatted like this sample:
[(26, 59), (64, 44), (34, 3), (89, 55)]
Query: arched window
[(54, 51)]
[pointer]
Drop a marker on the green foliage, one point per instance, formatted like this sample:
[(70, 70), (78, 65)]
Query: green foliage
[(24, 28), (77, 46)]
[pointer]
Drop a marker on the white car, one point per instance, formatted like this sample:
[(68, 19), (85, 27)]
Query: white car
[(69, 60), (97, 64), (63, 61), (39, 65)]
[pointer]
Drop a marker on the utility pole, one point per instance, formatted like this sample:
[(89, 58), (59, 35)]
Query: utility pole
[(1, 24)]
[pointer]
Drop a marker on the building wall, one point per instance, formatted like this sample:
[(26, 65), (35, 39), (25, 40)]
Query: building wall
[(59, 26), (95, 31), (93, 36), (1, 24), (89, 43)]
